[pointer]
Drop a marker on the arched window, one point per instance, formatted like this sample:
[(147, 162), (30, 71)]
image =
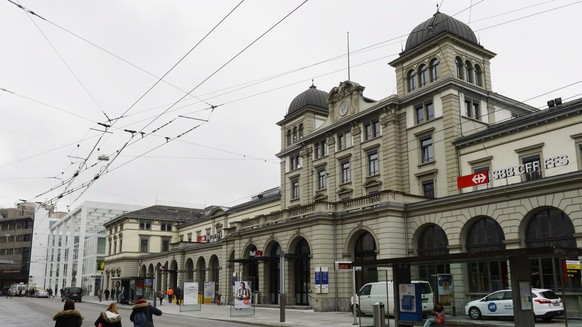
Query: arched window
[(550, 227), (422, 76), (289, 137), (478, 75), (459, 64), (294, 134), (411, 80), (433, 241), (434, 70), (469, 71), (301, 131)]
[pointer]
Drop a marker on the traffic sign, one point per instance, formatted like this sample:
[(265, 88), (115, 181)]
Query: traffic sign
[(479, 178)]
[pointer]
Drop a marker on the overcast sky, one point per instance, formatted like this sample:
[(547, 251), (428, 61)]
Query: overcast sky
[(89, 64)]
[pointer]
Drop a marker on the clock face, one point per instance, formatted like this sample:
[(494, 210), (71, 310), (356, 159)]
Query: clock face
[(343, 108)]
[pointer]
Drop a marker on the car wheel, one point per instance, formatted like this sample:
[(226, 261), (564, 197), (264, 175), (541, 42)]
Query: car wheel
[(474, 313), (547, 319)]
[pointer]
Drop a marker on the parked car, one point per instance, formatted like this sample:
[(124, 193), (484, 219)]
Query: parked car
[(546, 305), (72, 293), (41, 294), (374, 292)]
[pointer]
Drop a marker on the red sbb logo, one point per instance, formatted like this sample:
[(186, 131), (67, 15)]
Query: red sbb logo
[(479, 178)]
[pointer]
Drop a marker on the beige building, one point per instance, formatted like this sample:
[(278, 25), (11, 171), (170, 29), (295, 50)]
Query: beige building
[(444, 166)]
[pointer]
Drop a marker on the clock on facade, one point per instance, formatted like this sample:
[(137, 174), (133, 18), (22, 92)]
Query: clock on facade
[(343, 108)]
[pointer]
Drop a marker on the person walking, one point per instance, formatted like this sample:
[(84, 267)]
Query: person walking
[(109, 318), (106, 293), (100, 294), (177, 294), (142, 313), (69, 317), (161, 296), (170, 293)]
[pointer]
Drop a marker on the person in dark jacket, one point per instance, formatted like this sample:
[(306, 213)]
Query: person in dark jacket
[(69, 317), (141, 305), (110, 317)]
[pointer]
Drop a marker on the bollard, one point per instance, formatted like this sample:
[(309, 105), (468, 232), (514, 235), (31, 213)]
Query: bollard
[(379, 320)]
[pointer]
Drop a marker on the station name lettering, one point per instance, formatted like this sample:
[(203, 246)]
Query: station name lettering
[(530, 167)]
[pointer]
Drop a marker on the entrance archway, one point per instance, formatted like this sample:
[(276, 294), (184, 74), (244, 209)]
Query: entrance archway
[(301, 261)]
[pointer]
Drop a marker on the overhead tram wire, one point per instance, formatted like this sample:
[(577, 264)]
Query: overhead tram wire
[(99, 47), (106, 167)]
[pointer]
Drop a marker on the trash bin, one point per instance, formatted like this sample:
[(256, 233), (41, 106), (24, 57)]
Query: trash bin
[(256, 297), (378, 315)]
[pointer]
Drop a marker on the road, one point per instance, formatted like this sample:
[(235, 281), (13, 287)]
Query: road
[(33, 312)]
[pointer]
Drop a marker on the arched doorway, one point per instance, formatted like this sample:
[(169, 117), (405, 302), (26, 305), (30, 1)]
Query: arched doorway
[(274, 273), (251, 267), (173, 275), (302, 268), (189, 268), (550, 227), (365, 251), (215, 272), (201, 273)]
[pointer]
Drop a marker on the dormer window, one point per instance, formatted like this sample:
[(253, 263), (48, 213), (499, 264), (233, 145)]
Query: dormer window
[(411, 80)]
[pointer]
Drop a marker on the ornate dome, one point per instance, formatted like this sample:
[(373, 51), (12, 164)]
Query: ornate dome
[(312, 97), (439, 23)]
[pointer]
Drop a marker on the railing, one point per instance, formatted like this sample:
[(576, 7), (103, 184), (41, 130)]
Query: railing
[(364, 202)]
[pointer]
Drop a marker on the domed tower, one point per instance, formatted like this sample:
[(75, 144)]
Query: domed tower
[(307, 112), (444, 85)]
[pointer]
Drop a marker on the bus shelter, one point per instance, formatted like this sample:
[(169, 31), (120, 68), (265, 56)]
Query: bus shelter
[(520, 273)]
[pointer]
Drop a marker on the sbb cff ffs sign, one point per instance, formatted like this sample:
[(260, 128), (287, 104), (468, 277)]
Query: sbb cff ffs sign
[(479, 178)]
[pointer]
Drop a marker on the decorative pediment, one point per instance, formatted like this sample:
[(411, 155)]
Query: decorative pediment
[(344, 90), (320, 197)]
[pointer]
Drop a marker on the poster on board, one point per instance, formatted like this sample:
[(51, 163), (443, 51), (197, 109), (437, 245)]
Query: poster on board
[(190, 293), (242, 295)]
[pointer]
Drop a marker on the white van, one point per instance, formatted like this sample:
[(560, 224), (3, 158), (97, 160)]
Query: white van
[(371, 293)]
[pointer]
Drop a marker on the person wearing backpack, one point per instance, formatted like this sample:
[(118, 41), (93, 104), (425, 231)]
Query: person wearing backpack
[(142, 312)]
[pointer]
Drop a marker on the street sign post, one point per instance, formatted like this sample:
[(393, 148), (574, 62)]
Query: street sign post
[(475, 179)]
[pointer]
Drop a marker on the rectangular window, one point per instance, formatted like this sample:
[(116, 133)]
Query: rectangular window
[(319, 149), (321, 179), (294, 189), (426, 148), (295, 163), (531, 167), (472, 109), (344, 140), (167, 227), (165, 244), (345, 165), (145, 225), (424, 112), (189, 237), (373, 163), (428, 188), (144, 245), (371, 129)]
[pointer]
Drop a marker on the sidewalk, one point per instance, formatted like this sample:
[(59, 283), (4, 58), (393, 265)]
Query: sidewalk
[(262, 316)]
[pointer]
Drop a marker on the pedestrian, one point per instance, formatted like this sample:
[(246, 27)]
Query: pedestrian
[(170, 293), (161, 296), (100, 294), (50, 292), (109, 318), (177, 294), (142, 312), (106, 293), (69, 317)]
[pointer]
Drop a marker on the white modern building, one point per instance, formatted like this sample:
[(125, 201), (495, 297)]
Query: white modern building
[(76, 246)]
